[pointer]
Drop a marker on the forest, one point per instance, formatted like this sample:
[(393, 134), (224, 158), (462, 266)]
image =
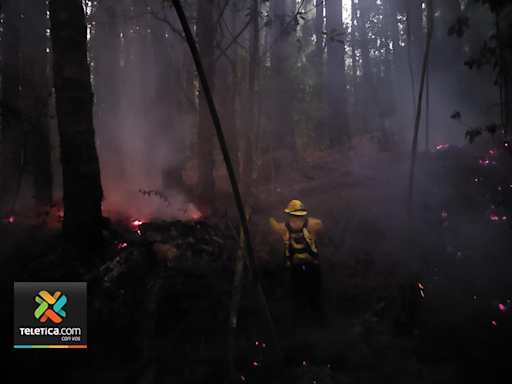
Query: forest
[(145, 144)]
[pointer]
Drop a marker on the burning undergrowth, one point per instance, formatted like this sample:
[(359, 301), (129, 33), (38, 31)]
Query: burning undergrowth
[(160, 291)]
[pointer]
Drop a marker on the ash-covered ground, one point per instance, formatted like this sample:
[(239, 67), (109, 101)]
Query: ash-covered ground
[(160, 292)]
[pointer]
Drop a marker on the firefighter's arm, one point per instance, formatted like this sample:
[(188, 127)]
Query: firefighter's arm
[(279, 228), (315, 225)]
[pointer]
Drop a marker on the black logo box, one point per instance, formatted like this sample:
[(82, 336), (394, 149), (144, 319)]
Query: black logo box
[(25, 305)]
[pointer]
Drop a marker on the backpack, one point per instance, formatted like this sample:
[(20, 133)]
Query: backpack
[(297, 243)]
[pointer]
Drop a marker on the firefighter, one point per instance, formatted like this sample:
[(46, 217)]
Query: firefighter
[(298, 235)]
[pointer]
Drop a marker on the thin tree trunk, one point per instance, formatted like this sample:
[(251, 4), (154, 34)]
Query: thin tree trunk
[(368, 78), (418, 112), (319, 46), (205, 134), (318, 62), (409, 293), (410, 53), (336, 88), (236, 192), (83, 193), (235, 301), (248, 167), (12, 127), (166, 106), (36, 91), (227, 71), (354, 50), (106, 48), (281, 117), (427, 112)]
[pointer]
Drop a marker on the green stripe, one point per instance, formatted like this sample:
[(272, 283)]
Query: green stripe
[(40, 346)]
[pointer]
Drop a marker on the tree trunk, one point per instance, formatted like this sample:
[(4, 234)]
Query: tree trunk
[(417, 33), (368, 79), (74, 102), (336, 88), (281, 116), (106, 48), (355, 83), (248, 168), (12, 127), (409, 295), (205, 133), (168, 154), (36, 92), (227, 71), (319, 47)]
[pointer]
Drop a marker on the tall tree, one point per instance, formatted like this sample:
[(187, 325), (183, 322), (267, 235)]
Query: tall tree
[(74, 103), (248, 165), (12, 129), (205, 133), (319, 45), (281, 117), (107, 49), (227, 70), (336, 87), (36, 94), (369, 88)]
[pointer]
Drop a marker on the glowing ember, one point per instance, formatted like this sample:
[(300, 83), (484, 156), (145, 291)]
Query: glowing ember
[(421, 286), (422, 294), (263, 345), (499, 188), (442, 146), (504, 218), (493, 152), (243, 378), (502, 307), (493, 322), (494, 218), (122, 245), (138, 231), (444, 214), (136, 222), (11, 219), (304, 363), (257, 343), (255, 363)]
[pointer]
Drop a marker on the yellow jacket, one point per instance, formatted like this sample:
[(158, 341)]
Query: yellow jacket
[(314, 225)]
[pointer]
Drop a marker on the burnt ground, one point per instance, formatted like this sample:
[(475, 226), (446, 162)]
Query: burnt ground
[(159, 301)]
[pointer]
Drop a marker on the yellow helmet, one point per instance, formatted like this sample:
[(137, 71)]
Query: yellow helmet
[(296, 208)]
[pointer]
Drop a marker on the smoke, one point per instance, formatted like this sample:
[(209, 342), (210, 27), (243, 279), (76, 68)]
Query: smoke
[(141, 122)]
